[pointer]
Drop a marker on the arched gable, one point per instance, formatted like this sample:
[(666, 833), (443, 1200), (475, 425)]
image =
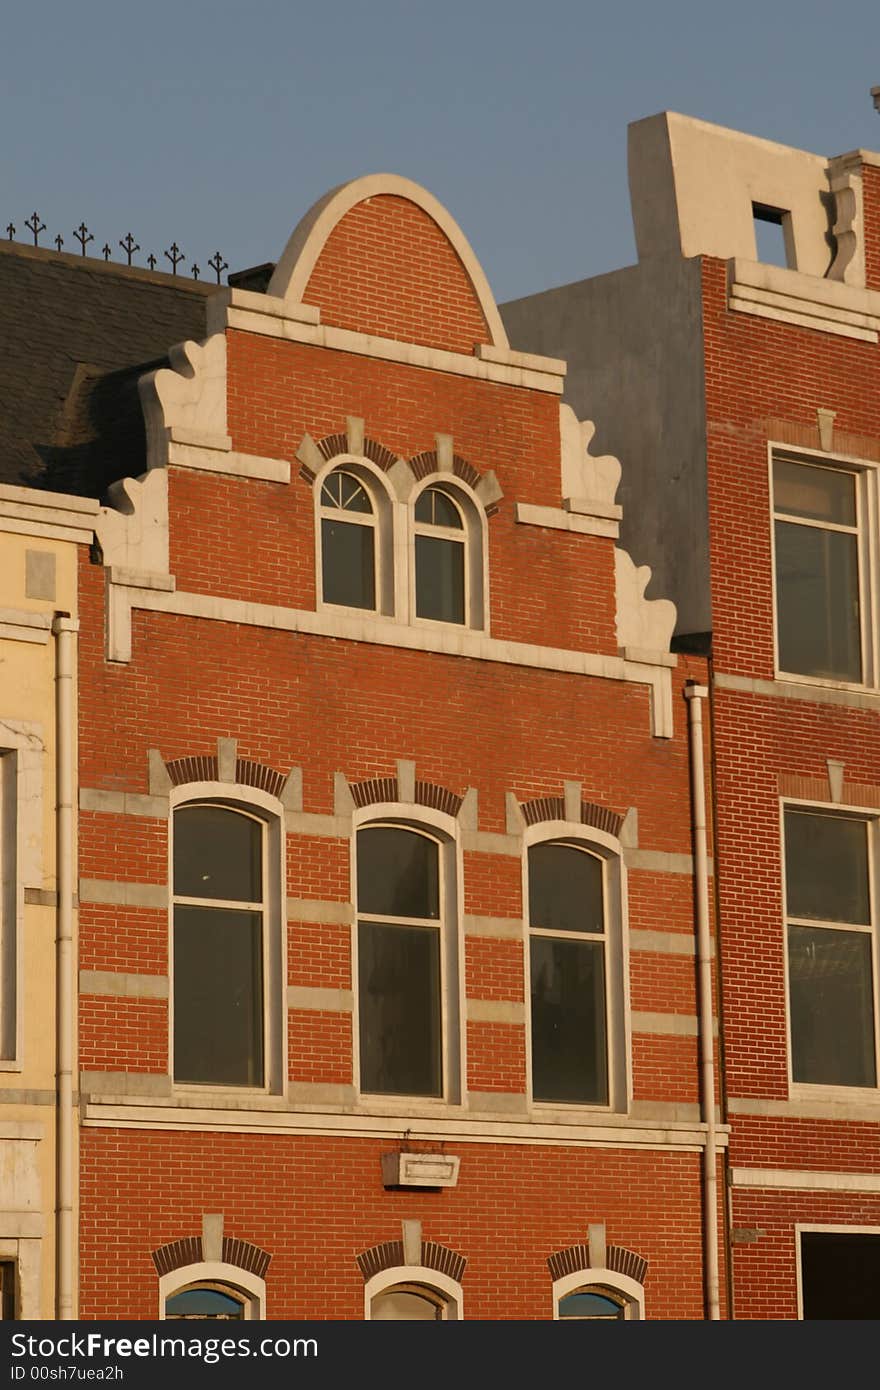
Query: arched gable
[(381, 256)]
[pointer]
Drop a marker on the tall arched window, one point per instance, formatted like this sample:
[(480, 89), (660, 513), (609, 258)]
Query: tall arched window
[(349, 541), (401, 899), (440, 557), (568, 952), (220, 911)]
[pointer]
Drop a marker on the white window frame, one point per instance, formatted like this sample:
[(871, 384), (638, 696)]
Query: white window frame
[(443, 830), (866, 530), (384, 528), (807, 1090), (249, 1287), (602, 1281), (475, 541), (431, 1280), (259, 806), (822, 1228), (617, 1007)]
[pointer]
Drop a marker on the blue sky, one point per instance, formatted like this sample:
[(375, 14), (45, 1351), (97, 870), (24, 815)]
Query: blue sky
[(218, 124)]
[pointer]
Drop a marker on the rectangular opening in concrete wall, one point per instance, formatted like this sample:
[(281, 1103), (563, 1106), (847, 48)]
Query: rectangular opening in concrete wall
[(771, 234), (840, 1274)]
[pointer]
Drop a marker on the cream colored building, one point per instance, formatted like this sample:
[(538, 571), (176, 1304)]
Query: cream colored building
[(40, 534)]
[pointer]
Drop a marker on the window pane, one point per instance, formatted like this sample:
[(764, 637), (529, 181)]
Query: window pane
[(203, 1303), (840, 1274), (817, 596), (589, 1305), (832, 1006), (568, 1021), (218, 996), (826, 868), (565, 889), (440, 579), (397, 873), (399, 996), (400, 1305), (348, 566), (821, 494), (217, 854), (437, 509), (344, 490)]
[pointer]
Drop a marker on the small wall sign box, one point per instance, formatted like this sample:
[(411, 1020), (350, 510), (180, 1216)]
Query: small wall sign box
[(419, 1170)]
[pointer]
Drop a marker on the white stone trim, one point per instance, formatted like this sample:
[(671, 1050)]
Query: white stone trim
[(443, 638), (21, 625), (217, 1272), (115, 894), (805, 1179), (300, 255), (51, 515), (865, 1109), (495, 1011), (805, 689), (273, 319), (666, 1025), (317, 912), (273, 1115), (334, 1001), (501, 928), (807, 301), (123, 985), (236, 465), (560, 520)]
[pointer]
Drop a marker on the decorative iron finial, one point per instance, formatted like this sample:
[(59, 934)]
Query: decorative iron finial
[(10, 230), (83, 236), (129, 246), (36, 226), (59, 242), (151, 261), (218, 265), (195, 271), (105, 251), (175, 256)]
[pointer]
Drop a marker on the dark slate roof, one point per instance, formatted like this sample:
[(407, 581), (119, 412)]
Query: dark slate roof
[(75, 335)]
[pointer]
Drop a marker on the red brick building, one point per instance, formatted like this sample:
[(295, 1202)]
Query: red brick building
[(388, 998), (740, 384)]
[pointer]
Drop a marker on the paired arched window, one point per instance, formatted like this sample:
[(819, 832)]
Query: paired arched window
[(405, 952), (349, 535), (569, 968), (220, 929), (437, 575)]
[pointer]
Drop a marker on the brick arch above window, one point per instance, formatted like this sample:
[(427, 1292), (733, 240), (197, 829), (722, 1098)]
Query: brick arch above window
[(206, 768), (483, 485), (389, 1255), (340, 445), (375, 790), (552, 808), (188, 1250), (575, 1259)]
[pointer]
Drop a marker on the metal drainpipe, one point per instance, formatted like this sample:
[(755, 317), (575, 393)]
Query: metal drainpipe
[(695, 694), (64, 629)]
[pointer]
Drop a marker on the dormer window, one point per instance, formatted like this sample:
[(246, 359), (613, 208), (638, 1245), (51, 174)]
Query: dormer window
[(348, 541), (440, 544)]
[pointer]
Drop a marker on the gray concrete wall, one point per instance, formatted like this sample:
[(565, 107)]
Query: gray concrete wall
[(633, 343)]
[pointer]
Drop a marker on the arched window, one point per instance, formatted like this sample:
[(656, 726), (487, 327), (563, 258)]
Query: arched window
[(219, 943), (349, 541), (404, 951), (408, 1303), (441, 553), (600, 1295), (412, 1293), (592, 1303), (211, 1290), (206, 1302), (568, 958)]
